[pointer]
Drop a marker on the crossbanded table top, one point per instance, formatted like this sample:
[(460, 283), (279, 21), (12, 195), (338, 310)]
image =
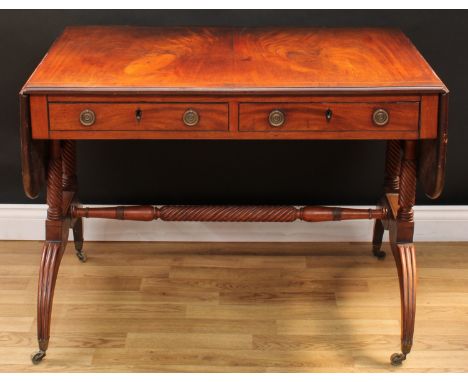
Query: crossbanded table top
[(113, 58)]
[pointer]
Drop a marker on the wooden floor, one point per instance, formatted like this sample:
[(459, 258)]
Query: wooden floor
[(234, 308)]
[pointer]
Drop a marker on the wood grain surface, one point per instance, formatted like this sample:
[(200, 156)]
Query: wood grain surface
[(231, 59), (33, 153), (231, 307)]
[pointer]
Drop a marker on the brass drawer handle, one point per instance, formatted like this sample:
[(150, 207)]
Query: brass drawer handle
[(380, 117), (190, 117), (276, 118), (87, 117)]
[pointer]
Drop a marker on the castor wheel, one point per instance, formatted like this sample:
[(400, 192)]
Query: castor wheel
[(81, 256), (377, 252), (397, 359), (38, 356)]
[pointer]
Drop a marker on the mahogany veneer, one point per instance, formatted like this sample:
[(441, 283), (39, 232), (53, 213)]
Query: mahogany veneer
[(111, 58), (344, 116), (233, 83), (153, 116)]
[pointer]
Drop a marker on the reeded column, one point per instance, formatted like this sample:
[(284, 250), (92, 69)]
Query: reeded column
[(54, 182), (70, 183), (69, 179), (392, 166)]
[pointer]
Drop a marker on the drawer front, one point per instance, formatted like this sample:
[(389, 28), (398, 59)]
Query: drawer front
[(345, 116), (89, 116)]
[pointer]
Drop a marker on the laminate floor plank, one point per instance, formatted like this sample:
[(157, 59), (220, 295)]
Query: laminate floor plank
[(234, 307)]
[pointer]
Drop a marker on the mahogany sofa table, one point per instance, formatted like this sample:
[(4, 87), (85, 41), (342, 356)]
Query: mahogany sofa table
[(233, 83)]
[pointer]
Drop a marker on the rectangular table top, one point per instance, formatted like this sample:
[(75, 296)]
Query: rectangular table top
[(122, 82), (230, 60)]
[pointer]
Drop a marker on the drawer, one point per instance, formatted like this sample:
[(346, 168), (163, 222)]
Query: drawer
[(102, 116), (342, 116)]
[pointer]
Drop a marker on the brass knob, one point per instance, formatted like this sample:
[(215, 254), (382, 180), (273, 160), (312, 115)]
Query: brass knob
[(87, 117), (380, 117), (190, 117), (276, 118)]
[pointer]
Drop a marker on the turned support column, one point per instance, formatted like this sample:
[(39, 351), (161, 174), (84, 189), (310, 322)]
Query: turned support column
[(392, 166), (70, 183), (54, 182), (69, 179), (407, 195)]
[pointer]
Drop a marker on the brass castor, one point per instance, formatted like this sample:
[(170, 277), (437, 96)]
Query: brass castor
[(81, 256), (378, 252), (397, 359), (38, 356)]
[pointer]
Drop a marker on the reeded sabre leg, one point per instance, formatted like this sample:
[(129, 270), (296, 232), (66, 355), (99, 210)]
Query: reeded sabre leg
[(51, 257), (54, 246), (391, 185), (401, 242), (377, 239), (405, 259), (78, 239)]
